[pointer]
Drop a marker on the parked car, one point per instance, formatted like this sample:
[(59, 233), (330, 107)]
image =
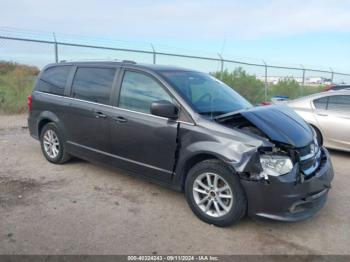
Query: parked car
[(329, 114), (275, 100), (336, 87), (186, 130)]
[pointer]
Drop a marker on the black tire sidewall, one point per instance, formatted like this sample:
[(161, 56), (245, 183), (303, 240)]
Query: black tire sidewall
[(239, 207), (59, 157), (319, 137)]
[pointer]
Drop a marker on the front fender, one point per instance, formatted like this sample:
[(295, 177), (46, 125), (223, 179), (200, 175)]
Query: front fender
[(238, 156), (230, 152)]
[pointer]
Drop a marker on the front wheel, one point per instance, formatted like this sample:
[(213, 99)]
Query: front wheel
[(214, 193)]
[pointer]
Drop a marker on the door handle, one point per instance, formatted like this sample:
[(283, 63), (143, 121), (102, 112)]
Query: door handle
[(100, 115), (321, 114), (120, 119)]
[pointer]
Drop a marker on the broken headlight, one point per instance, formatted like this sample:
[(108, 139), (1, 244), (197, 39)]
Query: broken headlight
[(275, 165)]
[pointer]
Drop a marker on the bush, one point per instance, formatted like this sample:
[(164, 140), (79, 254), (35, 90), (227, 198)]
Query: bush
[(247, 85), (286, 87), (16, 83)]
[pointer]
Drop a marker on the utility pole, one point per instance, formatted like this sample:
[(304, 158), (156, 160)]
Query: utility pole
[(56, 47), (221, 67), (303, 82), (154, 54), (332, 75), (265, 95)]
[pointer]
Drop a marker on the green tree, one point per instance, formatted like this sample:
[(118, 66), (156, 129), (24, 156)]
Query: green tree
[(245, 84)]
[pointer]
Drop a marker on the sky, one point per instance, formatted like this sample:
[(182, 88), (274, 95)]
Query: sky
[(285, 32)]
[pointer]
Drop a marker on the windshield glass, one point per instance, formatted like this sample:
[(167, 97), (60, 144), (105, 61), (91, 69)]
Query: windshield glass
[(204, 93)]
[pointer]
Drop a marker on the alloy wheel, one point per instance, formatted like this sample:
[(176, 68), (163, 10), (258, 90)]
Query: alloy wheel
[(51, 143), (212, 194)]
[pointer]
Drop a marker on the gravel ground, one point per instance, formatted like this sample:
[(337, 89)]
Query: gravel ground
[(83, 208)]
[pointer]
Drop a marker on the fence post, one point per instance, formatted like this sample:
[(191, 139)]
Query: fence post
[(303, 81), (265, 91), (56, 47), (332, 75), (221, 67), (154, 54)]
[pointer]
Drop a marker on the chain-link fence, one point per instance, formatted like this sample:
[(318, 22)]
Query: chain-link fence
[(41, 48)]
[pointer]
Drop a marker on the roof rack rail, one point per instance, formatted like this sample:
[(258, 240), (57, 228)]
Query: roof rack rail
[(128, 62), (90, 60), (99, 60)]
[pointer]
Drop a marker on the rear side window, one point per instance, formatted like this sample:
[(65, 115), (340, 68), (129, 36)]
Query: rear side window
[(321, 103), (93, 84), (339, 103), (139, 91), (54, 79)]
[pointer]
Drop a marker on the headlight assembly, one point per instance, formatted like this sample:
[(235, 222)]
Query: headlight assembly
[(276, 165)]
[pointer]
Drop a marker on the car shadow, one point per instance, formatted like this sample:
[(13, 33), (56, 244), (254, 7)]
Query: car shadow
[(75, 160)]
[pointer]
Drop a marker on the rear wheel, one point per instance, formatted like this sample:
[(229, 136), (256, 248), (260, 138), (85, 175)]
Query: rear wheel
[(52, 144), (215, 194)]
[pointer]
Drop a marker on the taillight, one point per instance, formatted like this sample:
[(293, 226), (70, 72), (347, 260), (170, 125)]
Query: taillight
[(30, 103)]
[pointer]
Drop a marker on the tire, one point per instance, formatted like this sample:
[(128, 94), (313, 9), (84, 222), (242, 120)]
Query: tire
[(50, 137), (217, 215), (318, 136)]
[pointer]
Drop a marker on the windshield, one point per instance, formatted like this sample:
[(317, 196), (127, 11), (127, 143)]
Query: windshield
[(204, 93)]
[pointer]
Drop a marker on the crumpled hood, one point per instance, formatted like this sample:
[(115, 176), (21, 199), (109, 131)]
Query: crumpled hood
[(280, 124)]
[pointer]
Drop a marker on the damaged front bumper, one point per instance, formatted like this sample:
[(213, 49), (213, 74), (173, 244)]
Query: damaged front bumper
[(287, 198)]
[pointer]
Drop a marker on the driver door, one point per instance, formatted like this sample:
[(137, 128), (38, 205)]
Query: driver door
[(142, 142)]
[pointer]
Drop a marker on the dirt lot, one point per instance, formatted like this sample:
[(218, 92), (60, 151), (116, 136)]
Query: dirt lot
[(81, 208)]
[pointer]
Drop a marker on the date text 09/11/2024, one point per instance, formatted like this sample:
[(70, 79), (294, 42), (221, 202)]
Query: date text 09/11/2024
[(172, 258)]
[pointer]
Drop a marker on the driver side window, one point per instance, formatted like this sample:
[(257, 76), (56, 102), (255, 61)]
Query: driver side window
[(139, 91)]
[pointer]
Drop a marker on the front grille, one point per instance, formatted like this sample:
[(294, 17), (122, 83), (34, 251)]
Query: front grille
[(309, 163), (309, 159)]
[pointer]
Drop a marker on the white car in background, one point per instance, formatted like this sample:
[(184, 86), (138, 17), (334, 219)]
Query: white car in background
[(329, 114)]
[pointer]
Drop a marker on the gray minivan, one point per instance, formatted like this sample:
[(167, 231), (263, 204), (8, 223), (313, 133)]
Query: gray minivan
[(186, 130)]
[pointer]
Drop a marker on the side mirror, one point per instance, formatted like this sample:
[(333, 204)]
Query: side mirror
[(164, 108)]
